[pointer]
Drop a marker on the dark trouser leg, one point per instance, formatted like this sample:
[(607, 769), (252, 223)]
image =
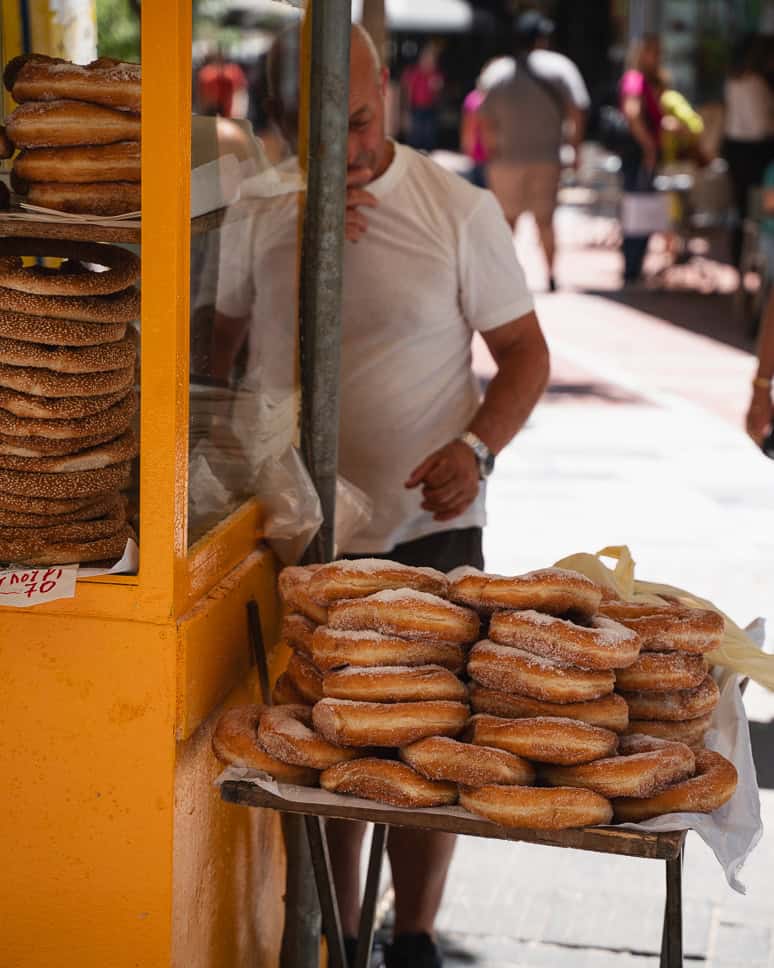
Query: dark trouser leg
[(634, 247)]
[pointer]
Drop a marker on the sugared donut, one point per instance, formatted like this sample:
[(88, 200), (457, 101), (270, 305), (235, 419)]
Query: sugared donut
[(235, 741), (669, 628), (285, 693), (408, 613), (713, 784), (689, 731), (443, 758), (662, 672), (644, 766), (544, 739), (387, 781), (305, 677), (285, 732), (349, 723), (293, 586), (297, 631), (609, 712), (604, 644), (333, 648), (550, 590), (674, 706), (509, 669), (394, 684), (366, 576), (534, 808)]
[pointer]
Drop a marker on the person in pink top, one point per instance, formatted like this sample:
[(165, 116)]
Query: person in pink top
[(470, 134), (422, 84), (639, 95)]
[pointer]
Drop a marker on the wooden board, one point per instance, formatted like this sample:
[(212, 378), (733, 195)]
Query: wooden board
[(67, 231), (606, 840)]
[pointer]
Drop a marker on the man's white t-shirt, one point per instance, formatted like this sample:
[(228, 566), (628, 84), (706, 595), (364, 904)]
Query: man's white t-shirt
[(436, 263)]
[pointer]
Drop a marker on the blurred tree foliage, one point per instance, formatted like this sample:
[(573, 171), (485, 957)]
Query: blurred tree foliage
[(118, 29)]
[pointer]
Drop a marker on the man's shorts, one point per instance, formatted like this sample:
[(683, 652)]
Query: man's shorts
[(525, 188), (443, 550)]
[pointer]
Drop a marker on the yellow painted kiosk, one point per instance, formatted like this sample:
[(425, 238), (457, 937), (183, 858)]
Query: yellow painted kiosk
[(116, 848)]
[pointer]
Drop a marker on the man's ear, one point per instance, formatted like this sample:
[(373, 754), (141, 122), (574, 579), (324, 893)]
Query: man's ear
[(384, 78)]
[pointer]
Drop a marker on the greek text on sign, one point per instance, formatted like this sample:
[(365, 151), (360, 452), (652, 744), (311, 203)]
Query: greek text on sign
[(22, 587)]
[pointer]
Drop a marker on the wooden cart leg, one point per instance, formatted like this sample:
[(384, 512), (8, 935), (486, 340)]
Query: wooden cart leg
[(672, 935), (326, 891), (365, 938)]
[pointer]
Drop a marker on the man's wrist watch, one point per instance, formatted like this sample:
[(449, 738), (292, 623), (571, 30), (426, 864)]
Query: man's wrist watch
[(484, 456)]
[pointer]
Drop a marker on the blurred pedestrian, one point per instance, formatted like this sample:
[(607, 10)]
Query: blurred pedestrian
[(760, 413), (524, 117), (749, 128), (422, 84), (219, 84), (471, 140), (640, 92)]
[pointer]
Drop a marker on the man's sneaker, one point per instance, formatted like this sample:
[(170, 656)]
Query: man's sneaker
[(412, 951)]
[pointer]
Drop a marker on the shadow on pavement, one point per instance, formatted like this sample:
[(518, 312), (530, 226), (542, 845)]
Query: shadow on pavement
[(762, 736)]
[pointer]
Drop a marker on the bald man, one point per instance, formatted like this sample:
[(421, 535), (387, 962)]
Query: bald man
[(428, 262)]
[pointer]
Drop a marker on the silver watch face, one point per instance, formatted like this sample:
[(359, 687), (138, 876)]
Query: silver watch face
[(487, 464)]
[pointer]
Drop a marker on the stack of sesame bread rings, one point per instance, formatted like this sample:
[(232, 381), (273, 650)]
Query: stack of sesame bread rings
[(77, 131), (417, 689), (67, 399)]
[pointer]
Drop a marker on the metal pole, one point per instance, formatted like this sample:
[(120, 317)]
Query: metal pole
[(320, 328), (321, 262)]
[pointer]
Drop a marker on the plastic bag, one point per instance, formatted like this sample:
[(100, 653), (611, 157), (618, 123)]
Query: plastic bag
[(354, 510), (292, 505)]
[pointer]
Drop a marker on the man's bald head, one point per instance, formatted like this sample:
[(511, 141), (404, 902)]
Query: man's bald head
[(364, 56)]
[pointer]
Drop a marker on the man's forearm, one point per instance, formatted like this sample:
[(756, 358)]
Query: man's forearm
[(766, 343), (511, 396)]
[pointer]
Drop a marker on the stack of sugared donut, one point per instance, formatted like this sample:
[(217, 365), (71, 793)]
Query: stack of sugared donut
[(67, 400), (669, 690), (78, 131)]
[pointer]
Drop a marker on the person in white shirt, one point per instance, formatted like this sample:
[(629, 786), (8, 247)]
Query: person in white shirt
[(429, 261)]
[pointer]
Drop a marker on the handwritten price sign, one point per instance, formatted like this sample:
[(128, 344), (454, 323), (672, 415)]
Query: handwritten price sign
[(34, 586)]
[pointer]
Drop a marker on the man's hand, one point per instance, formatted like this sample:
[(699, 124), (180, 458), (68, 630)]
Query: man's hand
[(356, 224), (449, 480), (760, 414)]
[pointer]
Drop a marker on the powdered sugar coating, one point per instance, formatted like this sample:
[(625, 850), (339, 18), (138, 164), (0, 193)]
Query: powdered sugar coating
[(554, 591), (363, 577), (409, 613)]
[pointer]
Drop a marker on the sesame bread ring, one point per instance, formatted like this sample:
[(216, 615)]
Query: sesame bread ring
[(394, 684), (366, 576), (713, 784), (64, 486), (286, 732), (609, 712), (674, 706), (644, 766), (285, 693), (297, 631), (43, 447), (63, 408), (293, 586), (550, 590), (18, 541), (387, 781), (37, 77), (61, 332), (662, 672), (115, 307), (333, 648), (118, 162), (115, 451), (669, 628), (442, 758), (349, 723), (73, 552), (235, 741), (40, 382), (56, 507), (533, 808), (49, 124), (93, 198), (305, 678), (689, 731), (509, 669), (89, 511), (545, 739), (603, 645), (121, 268), (408, 613), (112, 421), (80, 359)]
